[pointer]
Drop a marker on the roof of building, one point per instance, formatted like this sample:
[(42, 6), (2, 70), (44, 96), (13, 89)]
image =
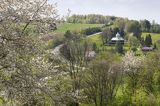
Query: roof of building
[(147, 48), (91, 54), (117, 38)]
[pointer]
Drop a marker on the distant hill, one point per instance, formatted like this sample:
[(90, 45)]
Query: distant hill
[(145, 25)]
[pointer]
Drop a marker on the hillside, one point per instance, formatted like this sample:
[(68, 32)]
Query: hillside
[(75, 26)]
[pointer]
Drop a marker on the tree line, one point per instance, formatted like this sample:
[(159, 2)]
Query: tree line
[(145, 25), (91, 19)]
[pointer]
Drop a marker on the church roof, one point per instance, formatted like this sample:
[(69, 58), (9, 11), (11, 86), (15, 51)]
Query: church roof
[(117, 38), (118, 35), (147, 48)]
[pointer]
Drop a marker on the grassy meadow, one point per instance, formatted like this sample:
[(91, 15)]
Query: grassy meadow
[(96, 39), (75, 27)]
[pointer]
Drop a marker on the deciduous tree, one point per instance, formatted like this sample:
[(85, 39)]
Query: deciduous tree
[(24, 65), (102, 81)]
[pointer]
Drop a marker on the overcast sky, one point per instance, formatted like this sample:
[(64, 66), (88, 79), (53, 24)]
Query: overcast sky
[(133, 9)]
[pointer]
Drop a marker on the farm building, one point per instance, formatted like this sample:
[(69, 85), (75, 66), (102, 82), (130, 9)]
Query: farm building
[(118, 38), (147, 48), (90, 54)]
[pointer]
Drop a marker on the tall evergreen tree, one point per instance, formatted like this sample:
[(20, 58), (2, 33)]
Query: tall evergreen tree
[(148, 40)]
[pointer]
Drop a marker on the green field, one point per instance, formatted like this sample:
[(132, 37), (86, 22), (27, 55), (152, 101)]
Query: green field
[(155, 36), (77, 27), (96, 39)]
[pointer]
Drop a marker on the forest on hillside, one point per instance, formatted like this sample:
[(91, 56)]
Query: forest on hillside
[(146, 26)]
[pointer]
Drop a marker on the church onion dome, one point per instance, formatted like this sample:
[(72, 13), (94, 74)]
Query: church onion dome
[(118, 35)]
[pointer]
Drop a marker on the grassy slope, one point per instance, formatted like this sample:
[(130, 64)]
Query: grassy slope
[(71, 26), (96, 39), (155, 36)]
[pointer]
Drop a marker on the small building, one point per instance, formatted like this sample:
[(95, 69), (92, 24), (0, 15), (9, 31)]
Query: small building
[(90, 54), (145, 49), (118, 38)]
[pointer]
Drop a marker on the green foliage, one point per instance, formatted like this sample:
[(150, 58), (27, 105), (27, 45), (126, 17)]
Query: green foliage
[(74, 48), (155, 46), (133, 42), (72, 104), (145, 25), (94, 46), (102, 78), (55, 43), (155, 28), (106, 35), (155, 36), (148, 40), (158, 44), (91, 19), (121, 23), (119, 47), (68, 34), (133, 27), (96, 39)]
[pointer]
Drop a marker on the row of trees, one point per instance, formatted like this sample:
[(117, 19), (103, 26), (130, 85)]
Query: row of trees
[(91, 19), (144, 25), (147, 26)]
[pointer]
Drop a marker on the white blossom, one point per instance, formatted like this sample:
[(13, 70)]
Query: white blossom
[(132, 62)]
